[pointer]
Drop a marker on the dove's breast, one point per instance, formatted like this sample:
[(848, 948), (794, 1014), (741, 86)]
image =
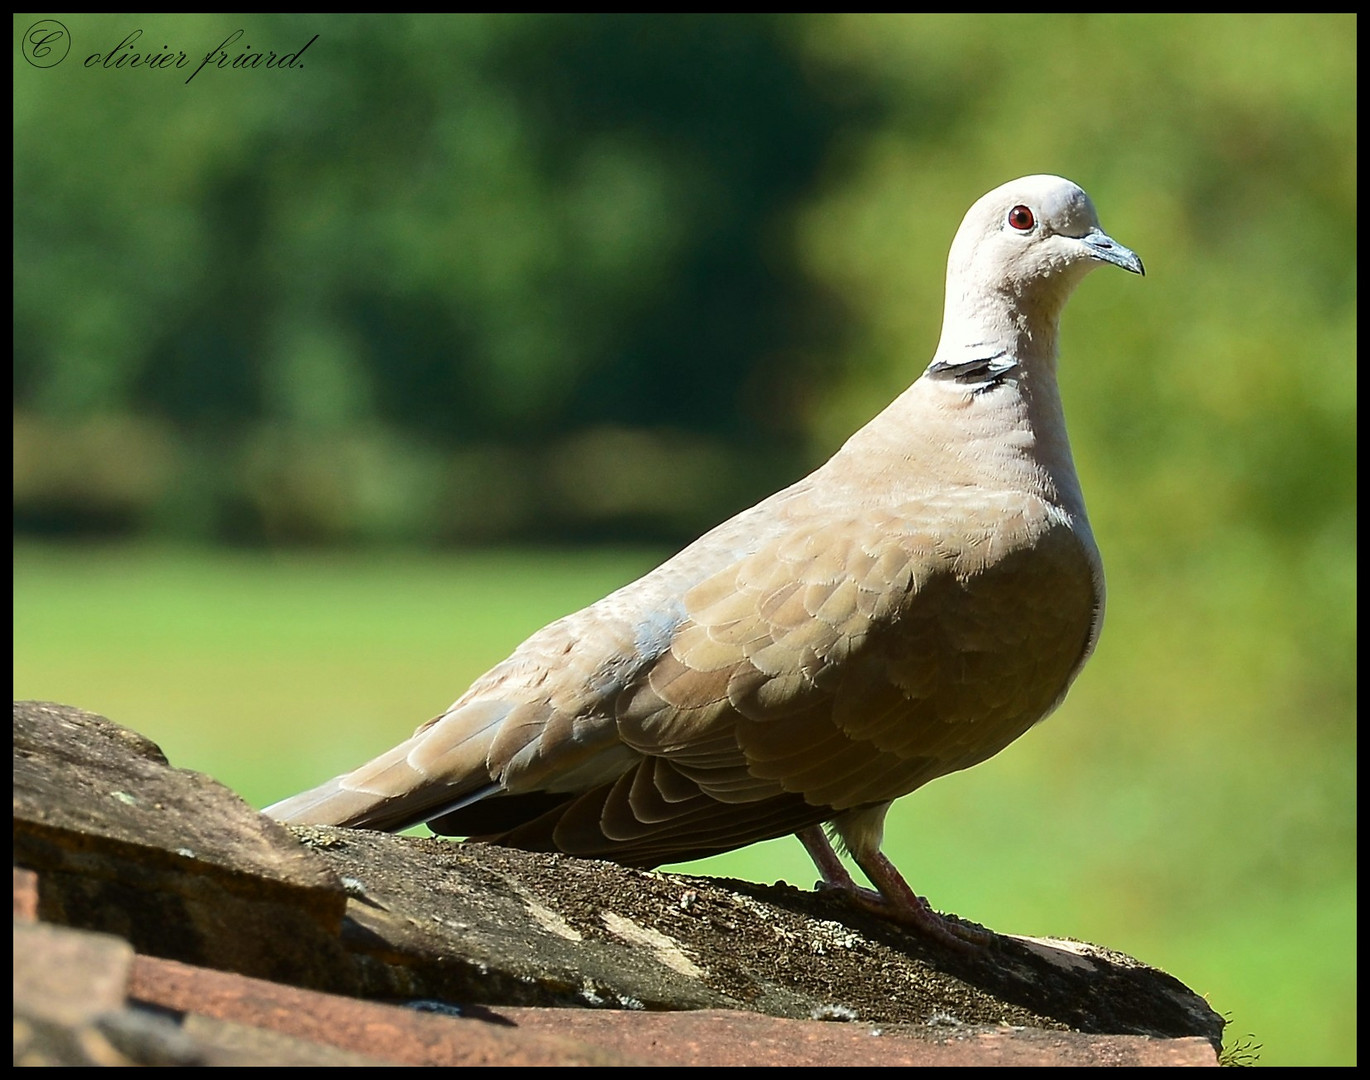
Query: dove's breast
[(985, 646)]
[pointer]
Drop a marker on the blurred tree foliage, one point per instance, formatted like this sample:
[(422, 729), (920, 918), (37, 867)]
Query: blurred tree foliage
[(458, 277), (503, 276)]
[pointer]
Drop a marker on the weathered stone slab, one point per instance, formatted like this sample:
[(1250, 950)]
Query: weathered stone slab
[(180, 867)]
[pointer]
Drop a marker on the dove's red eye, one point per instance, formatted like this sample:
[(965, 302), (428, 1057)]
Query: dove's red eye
[(1020, 217)]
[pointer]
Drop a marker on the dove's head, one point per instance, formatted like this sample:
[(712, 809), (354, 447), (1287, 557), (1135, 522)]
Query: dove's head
[(1019, 254)]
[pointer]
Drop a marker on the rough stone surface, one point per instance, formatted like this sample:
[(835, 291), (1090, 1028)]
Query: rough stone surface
[(395, 1034), (610, 964), (70, 1001), (494, 925), (166, 858), (66, 977), (25, 895), (536, 1036), (72, 1007), (711, 1037)]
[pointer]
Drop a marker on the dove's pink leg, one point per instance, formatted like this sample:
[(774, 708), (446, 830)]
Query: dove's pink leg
[(895, 900)]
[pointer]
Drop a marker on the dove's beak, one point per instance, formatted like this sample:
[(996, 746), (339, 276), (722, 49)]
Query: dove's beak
[(1104, 248)]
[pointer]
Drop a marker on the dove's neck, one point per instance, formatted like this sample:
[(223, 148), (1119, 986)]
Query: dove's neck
[(986, 414), (979, 324)]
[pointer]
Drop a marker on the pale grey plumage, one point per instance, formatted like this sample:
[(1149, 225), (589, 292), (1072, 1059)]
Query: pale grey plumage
[(905, 611)]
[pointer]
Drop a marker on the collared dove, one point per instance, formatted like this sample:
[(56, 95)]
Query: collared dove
[(907, 610)]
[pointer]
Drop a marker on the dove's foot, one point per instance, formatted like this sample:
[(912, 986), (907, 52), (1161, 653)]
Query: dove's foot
[(894, 900)]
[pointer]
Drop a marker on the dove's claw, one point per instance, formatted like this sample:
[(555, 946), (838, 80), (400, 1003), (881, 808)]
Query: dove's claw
[(894, 900)]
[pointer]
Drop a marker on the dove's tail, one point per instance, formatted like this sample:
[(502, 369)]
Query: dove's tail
[(387, 794), (341, 801), (439, 769), (329, 804)]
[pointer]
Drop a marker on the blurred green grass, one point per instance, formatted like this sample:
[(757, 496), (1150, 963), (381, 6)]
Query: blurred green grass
[(1161, 811)]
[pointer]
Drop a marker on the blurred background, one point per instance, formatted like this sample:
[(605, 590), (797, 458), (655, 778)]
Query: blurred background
[(335, 380)]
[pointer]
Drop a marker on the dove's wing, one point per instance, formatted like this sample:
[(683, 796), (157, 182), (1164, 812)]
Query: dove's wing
[(835, 668)]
